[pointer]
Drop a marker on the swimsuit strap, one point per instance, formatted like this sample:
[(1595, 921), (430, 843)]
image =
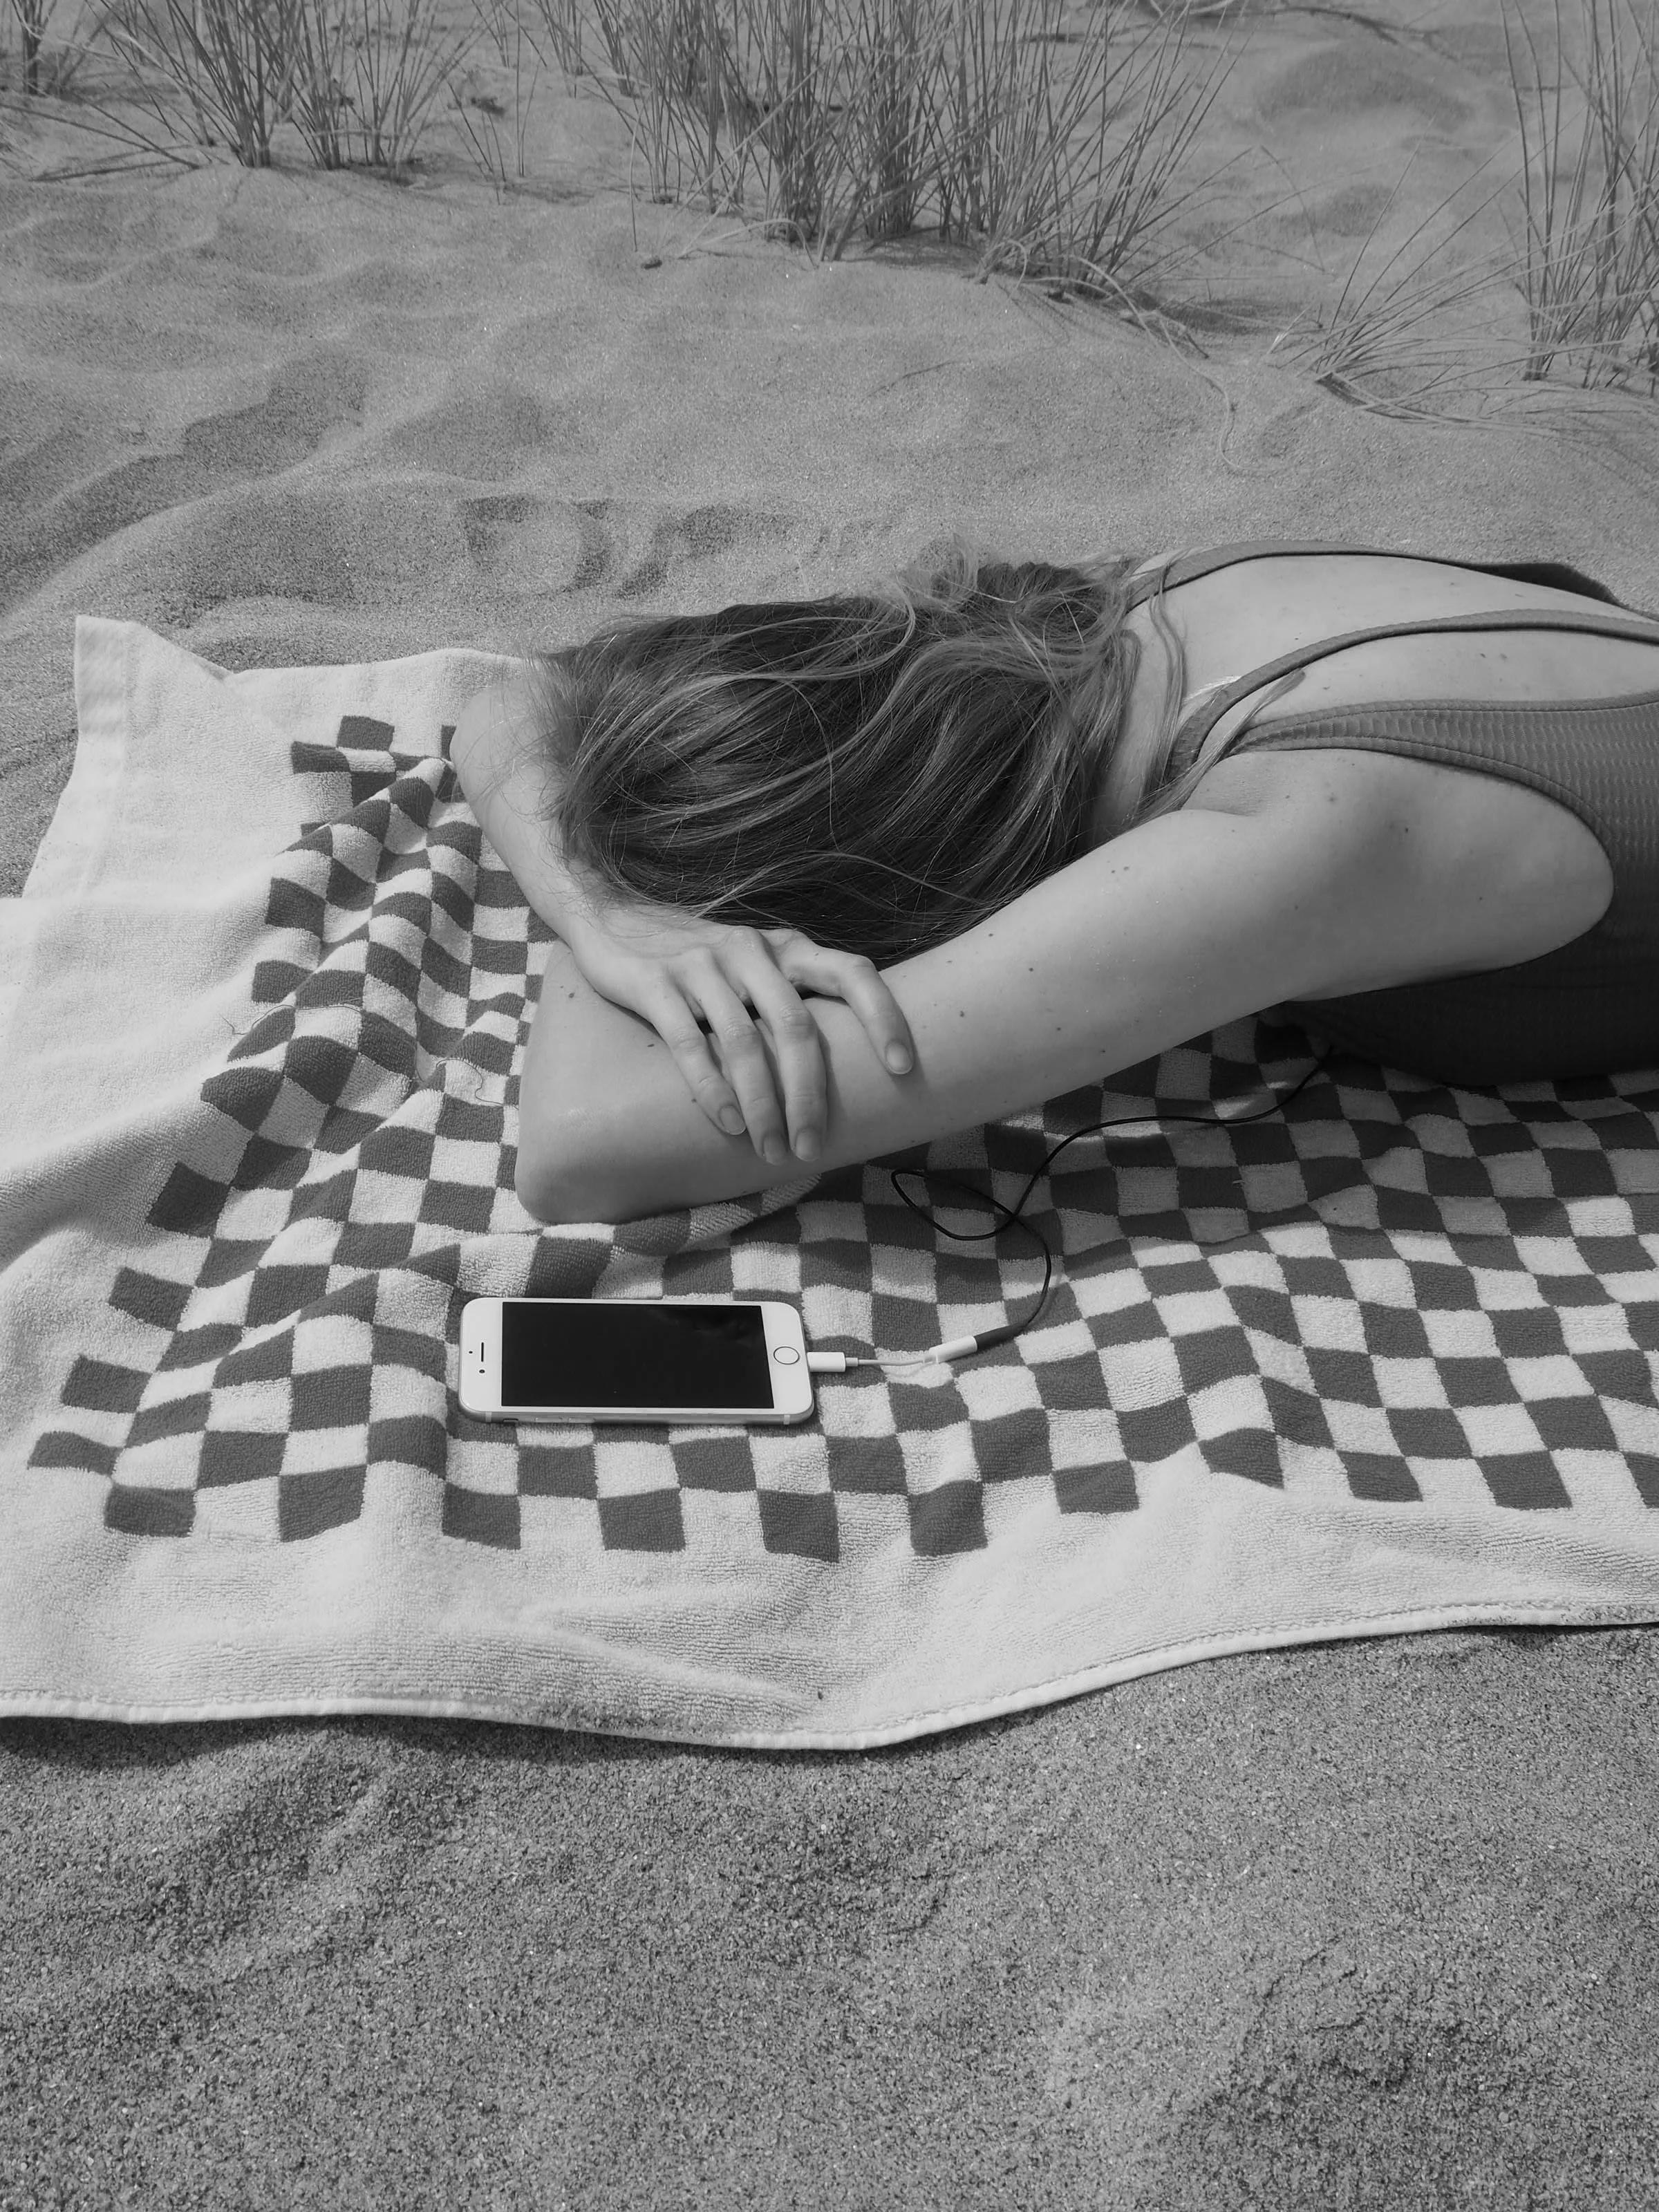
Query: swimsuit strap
[(1187, 568), (1644, 630)]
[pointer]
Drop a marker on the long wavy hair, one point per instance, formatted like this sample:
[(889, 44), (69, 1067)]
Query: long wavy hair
[(882, 769)]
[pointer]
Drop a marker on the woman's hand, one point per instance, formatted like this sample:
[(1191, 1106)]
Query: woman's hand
[(670, 967)]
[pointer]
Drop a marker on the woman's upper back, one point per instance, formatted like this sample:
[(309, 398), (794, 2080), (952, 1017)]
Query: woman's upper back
[(1518, 818), (1255, 607)]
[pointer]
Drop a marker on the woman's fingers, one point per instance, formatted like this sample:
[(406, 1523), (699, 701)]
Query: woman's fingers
[(773, 1128), (800, 1050), (741, 984), (851, 976), (660, 1002)]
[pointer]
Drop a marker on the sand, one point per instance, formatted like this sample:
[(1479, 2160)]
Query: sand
[(1356, 1925)]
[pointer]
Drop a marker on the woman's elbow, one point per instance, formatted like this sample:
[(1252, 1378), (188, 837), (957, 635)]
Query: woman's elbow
[(559, 1179), (554, 1185), (542, 1200)]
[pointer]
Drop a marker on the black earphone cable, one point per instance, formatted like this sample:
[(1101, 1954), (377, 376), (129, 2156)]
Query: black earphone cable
[(837, 1363)]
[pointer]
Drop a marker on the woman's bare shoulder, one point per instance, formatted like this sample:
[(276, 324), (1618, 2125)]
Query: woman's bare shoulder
[(1456, 871)]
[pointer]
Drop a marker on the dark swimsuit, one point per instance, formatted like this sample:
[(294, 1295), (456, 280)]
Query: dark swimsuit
[(1591, 1007)]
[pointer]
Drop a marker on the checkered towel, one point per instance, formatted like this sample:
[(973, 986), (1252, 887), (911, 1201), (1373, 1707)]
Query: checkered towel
[(1386, 1362)]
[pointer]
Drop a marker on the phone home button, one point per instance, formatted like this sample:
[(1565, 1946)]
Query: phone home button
[(785, 1355)]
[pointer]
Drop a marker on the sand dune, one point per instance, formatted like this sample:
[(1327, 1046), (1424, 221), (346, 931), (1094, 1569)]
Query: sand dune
[(1352, 1926)]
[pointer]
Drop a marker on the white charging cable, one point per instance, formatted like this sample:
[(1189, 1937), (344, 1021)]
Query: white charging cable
[(837, 1363)]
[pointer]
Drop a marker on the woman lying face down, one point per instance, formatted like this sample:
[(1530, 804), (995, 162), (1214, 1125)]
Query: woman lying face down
[(718, 812), (833, 878)]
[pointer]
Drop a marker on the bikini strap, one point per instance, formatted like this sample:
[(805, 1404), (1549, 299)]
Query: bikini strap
[(1644, 630), (1187, 568)]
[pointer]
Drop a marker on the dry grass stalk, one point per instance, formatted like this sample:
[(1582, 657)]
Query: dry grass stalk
[(31, 25), (478, 115), (53, 65)]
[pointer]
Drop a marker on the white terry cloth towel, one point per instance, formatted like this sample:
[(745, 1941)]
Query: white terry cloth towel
[(1384, 1362)]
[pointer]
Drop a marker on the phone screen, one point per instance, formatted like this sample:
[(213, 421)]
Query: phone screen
[(628, 1352)]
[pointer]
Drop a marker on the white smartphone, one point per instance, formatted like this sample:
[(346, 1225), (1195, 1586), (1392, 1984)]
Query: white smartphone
[(677, 1360)]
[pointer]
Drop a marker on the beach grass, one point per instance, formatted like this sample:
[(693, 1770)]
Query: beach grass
[(1055, 141), (356, 81), (1058, 141), (54, 42), (1453, 322), (32, 17), (1417, 327), (1588, 111), (521, 55), (368, 75), (229, 66)]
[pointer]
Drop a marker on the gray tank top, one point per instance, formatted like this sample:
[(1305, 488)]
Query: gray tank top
[(1591, 1007)]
